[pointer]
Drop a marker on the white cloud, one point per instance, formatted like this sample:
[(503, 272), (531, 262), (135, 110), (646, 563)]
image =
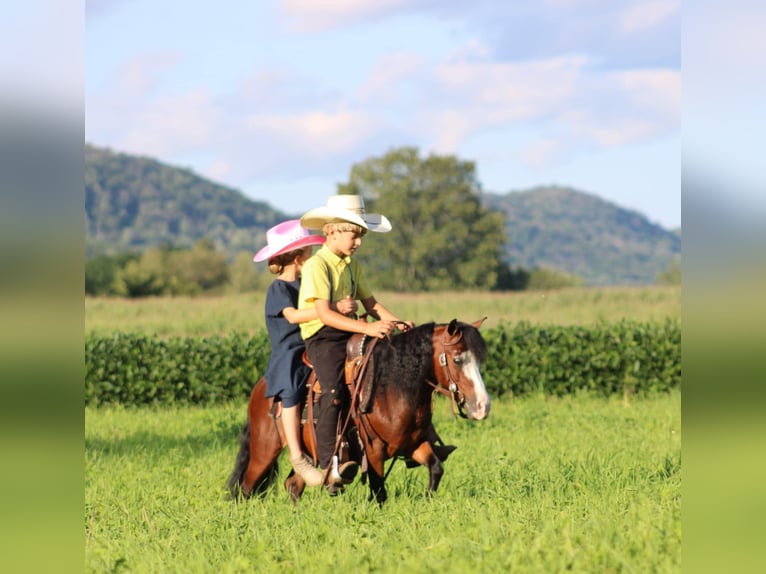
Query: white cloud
[(471, 98), (320, 15), (541, 152), (171, 126), (519, 90), (218, 170), (626, 108), (390, 72), (658, 91), (621, 132), (319, 133), (141, 74), (645, 15), (450, 128), (472, 50)]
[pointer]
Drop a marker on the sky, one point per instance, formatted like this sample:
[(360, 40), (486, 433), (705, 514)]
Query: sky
[(279, 98)]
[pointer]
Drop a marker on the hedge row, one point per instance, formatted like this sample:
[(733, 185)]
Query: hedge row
[(139, 369), (607, 358), (625, 357)]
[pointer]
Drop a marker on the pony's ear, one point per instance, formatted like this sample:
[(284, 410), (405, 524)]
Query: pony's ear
[(478, 323)]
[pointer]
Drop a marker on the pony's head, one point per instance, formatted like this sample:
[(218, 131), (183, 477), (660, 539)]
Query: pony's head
[(459, 350)]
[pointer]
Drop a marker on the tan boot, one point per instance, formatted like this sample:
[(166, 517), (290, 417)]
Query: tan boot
[(303, 468)]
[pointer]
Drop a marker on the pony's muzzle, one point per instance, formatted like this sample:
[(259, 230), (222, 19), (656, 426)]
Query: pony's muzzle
[(481, 411)]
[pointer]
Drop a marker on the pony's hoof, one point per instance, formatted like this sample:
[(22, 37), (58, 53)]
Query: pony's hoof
[(335, 489), (442, 451)]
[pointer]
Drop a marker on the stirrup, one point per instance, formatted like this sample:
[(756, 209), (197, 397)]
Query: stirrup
[(343, 473)]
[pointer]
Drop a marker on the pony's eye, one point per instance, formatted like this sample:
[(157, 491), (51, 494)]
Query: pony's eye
[(457, 360)]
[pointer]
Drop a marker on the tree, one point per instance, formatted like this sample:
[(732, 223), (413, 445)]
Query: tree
[(100, 272), (509, 279), (202, 266), (245, 276), (139, 278), (442, 236), (167, 270), (545, 278)]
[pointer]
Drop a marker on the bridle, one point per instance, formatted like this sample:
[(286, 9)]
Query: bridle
[(457, 398)]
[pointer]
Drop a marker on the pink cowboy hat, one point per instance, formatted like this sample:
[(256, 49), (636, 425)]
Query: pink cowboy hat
[(284, 237)]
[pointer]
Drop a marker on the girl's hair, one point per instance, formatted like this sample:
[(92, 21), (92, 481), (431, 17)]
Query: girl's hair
[(344, 226), (277, 263)]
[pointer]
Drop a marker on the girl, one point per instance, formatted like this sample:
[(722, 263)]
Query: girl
[(288, 246)]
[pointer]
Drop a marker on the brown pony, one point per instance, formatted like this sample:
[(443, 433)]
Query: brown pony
[(391, 409)]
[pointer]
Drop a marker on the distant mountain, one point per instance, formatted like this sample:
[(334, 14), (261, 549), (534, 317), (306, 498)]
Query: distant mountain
[(582, 234), (132, 203)]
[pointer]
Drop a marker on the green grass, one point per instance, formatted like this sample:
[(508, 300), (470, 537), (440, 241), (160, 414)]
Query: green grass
[(185, 316), (580, 484)]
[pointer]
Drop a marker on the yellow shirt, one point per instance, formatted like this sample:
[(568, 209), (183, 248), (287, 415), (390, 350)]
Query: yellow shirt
[(347, 279)]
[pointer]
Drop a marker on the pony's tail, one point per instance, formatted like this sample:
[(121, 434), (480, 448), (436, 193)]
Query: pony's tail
[(243, 459)]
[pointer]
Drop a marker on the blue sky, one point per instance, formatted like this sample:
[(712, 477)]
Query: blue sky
[(279, 98)]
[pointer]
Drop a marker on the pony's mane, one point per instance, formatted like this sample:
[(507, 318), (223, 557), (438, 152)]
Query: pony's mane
[(406, 360)]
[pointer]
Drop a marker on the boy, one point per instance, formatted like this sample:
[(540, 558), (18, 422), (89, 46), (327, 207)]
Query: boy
[(327, 277)]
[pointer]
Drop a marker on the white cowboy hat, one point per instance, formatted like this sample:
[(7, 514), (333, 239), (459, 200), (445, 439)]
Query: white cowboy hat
[(345, 208), (284, 237)]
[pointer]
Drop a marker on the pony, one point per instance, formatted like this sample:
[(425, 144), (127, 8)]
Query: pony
[(390, 412)]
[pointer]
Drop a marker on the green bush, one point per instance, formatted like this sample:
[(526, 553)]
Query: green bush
[(139, 370), (608, 358), (626, 357)]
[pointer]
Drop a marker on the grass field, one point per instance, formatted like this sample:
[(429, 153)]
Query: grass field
[(186, 316), (580, 484)]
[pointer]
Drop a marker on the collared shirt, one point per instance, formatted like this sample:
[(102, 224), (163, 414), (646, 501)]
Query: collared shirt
[(347, 279)]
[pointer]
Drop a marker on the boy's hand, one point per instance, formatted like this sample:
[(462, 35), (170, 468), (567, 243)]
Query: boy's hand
[(379, 329), (347, 306)]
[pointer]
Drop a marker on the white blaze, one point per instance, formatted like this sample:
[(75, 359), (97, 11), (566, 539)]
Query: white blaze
[(471, 371)]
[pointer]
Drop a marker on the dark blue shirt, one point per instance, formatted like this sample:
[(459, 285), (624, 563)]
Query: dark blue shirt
[(286, 374)]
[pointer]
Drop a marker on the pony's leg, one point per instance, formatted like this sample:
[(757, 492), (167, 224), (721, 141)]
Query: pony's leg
[(425, 455), (375, 474), (265, 446), (265, 443)]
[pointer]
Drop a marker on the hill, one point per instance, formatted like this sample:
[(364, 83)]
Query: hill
[(132, 203), (582, 234)]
